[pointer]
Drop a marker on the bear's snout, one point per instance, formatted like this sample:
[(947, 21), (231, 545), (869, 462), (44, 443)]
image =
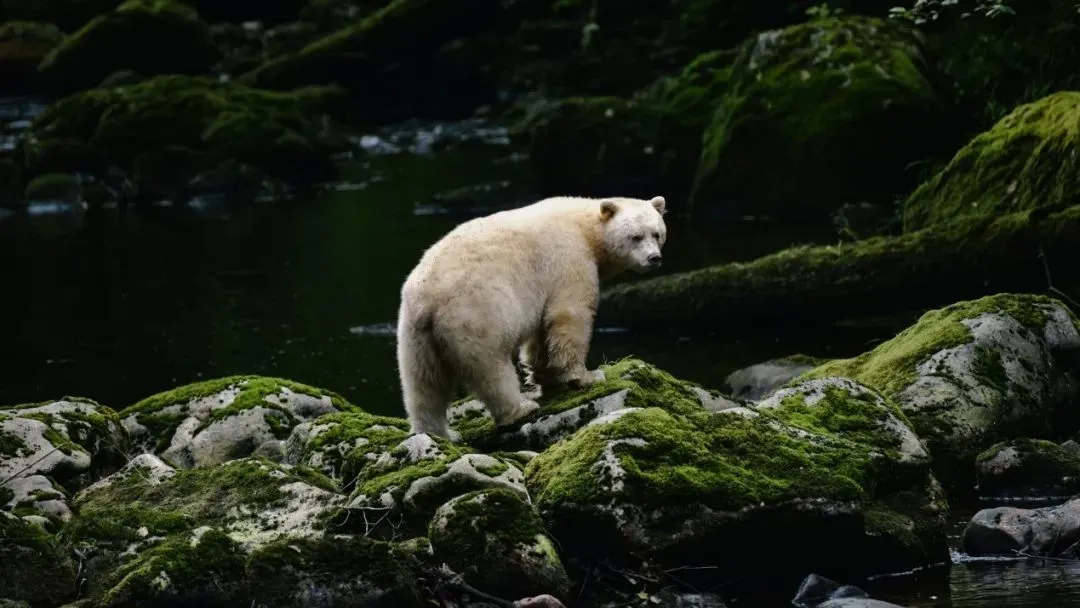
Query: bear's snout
[(654, 260)]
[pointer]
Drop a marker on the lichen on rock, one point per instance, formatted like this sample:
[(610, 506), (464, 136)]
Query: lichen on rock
[(1024, 162), (395, 477), (630, 384), (498, 543), (974, 373), (71, 442), (214, 421), (253, 500), (828, 459)]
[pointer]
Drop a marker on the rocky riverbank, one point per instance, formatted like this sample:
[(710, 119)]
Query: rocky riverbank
[(249, 489)]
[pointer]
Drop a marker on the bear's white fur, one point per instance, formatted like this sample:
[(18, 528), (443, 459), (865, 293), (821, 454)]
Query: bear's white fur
[(521, 282)]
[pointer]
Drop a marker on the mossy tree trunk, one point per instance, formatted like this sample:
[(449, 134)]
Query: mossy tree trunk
[(966, 259)]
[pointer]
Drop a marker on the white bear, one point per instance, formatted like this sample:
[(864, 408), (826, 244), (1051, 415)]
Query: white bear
[(523, 282)]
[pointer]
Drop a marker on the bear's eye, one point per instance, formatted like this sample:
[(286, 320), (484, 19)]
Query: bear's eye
[(656, 235), (638, 238)]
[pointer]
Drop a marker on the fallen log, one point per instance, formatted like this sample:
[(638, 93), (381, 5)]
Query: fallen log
[(970, 257)]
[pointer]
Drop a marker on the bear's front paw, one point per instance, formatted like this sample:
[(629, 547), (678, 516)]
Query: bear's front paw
[(584, 378), (524, 410)]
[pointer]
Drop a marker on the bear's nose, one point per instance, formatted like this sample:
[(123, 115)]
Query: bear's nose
[(654, 259)]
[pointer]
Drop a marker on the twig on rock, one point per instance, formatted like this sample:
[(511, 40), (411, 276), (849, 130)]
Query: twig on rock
[(453, 580), (1050, 281), (24, 469)]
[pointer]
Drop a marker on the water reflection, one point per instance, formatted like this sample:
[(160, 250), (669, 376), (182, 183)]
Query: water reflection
[(986, 583)]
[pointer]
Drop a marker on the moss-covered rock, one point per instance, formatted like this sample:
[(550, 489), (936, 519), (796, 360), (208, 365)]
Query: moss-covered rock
[(800, 129), (68, 15), (394, 50), (163, 131), (253, 500), (37, 499), (338, 570), (967, 258), (630, 383), (650, 140), (72, 441), (147, 36), (33, 568), (827, 462), (53, 186), (330, 15), (1027, 468), (288, 38), (23, 44), (238, 11), (762, 379), (498, 543), (247, 531), (397, 480), (210, 422), (976, 373), (1024, 162)]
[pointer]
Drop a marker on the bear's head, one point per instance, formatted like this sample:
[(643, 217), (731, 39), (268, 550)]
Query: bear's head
[(634, 232)]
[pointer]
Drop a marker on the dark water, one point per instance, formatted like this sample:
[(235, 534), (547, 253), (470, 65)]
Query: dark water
[(117, 306)]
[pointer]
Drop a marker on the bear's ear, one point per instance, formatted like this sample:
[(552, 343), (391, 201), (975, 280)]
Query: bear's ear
[(607, 210), (659, 204)]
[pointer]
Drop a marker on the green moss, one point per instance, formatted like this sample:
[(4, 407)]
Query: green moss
[(654, 136), (491, 517), (186, 125), (483, 534), (60, 186), (355, 570), (967, 258), (646, 386), (712, 459), (494, 470), (356, 56), (1038, 467), (23, 44), (397, 482), (344, 441), (157, 412), (179, 567), (891, 366), (68, 15), (11, 445), (147, 36), (858, 416), (204, 496), (84, 426), (1024, 162), (639, 481), (6, 495), (810, 102), (34, 569)]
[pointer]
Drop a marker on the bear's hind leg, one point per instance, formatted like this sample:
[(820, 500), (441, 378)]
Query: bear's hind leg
[(426, 382), (495, 383)]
